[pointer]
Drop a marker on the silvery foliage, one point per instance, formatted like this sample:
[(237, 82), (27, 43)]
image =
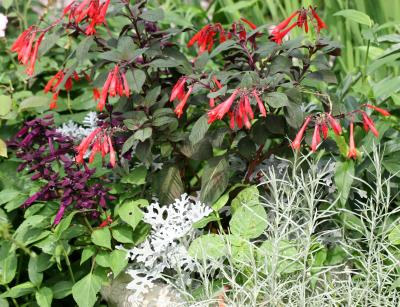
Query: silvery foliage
[(79, 132), (167, 245)]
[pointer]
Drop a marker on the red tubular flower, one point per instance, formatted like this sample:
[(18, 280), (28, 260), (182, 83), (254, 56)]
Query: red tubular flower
[(316, 139), (302, 20), (352, 154), (96, 94), (115, 85), (251, 25), (220, 110), (260, 104), (277, 37), (382, 111), (106, 222), (231, 120), (299, 136), (243, 113), (369, 124), (285, 23), (100, 142), (247, 107), (205, 37), (27, 48), (179, 108), (320, 24), (324, 129), (91, 11), (178, 90), (337, 129)]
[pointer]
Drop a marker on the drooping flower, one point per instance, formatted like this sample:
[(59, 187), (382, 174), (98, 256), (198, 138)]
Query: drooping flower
[(324, 129), (382, 111), (316, 139), (220, 110), (251, 25), (116, 85), (92, 12), (27, 48), (299, 136), (320, 24), (337, 129), (100, 142), (205, 38), (179, 108), (54, 83), (369, 124), (281, 30), (260, 104), (352, 154)]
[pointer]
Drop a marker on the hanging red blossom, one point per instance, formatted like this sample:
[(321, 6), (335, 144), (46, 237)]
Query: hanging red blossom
[(382, 111), (352, 154), (115, 85), (316, 139), (369, 124), (27, 48), (54, 83), (92, 12), (299, 136), (100, 142), (205, 38), (304, 17)]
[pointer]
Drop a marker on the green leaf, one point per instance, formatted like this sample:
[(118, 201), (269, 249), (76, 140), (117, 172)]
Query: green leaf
[(85, 290), (7, 195), (35, 276), (44, 297), (63, 225), (34, 102), (199, 129), (87, 253), (19, 290), (169, 185), (126, 47), (276, 100), (5, 105), (122, 233), (3, 150), (7, 4), (355, 16), (208, 246), (386, 87), (227, 45), (137, 176), (151, 96), (336, 255), (130, 212), (220, 202), (102, 237), (62, 289), (249, 221), (215, 179), (82, 51), (152, 15), (103, 259), (164, 63), (8, 263), (394, 235), (285, 251), (247, 197), (143, 134), (235, 7), (118, 261), (344, 175), (136, 80)]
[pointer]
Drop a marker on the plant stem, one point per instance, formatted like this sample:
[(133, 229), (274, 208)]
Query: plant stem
[(71, 273)]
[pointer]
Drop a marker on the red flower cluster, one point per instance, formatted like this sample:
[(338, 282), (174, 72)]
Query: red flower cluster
[(100, 142), (116, 84), (53, 85), (205, 37), (303, 17), (322, 122), (178, 92), (27, 47), (108, 220), (241, 113), (91, 11)]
